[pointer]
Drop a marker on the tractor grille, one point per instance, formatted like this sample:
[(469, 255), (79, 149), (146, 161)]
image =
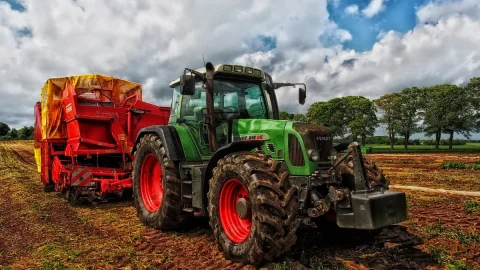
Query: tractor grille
[(323, 144), (295, 151), (316, 137)]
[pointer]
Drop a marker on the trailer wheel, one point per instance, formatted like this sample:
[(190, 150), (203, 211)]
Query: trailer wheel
[(50, 187), (157, 186), (252, 208)]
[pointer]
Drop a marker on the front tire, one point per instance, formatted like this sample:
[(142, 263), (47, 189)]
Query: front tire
[(327, 223), (264, 228), (157, 186), (375, 176)]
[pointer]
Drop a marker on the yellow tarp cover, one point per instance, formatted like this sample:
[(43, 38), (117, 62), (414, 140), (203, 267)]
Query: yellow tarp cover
[(53, 126), (37, 153)]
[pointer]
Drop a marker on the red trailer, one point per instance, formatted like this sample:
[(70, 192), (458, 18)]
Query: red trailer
[(85, 128)]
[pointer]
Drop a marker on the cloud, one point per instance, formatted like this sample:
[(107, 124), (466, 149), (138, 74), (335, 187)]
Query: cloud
[(444, 52), (352, 9), (143, 41), (433, 11), (373, 8), (150, 42)]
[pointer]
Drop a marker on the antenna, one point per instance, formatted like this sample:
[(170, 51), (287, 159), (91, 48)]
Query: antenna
[(203, 59)]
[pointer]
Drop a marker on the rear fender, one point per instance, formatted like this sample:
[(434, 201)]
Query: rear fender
[(221, 153), (169, 135)]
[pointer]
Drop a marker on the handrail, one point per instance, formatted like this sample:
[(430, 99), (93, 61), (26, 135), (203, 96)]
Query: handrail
[(130, 97)]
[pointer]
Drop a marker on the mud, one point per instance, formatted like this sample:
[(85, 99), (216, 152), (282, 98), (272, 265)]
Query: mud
[(41, 230)]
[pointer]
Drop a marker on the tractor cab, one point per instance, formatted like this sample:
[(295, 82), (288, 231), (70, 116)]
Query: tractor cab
[(239, 92)]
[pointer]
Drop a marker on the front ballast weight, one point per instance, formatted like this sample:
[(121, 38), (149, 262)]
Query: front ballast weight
[(360, 206)]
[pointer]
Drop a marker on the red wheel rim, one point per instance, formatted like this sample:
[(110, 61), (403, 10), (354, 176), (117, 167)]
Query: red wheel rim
[(151, 183), (235, 228)]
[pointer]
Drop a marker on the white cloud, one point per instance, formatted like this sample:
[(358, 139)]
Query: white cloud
[(151, 42), (433, 11), (143, 41), (352, 9), (373, 8)]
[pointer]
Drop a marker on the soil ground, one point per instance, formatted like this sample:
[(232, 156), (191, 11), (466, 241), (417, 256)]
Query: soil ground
[(41, 230)]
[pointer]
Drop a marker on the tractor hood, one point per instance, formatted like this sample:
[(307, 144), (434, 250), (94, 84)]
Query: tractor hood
[(258, 129), (286, 140)]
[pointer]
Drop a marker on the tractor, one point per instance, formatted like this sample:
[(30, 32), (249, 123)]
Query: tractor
[(226, 155)]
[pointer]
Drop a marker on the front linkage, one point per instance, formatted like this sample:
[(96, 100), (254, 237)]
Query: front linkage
[(358, 201)]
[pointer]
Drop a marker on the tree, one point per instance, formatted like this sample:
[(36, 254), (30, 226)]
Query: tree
[(460, 117), (474, 90), (353, 114), (436, 103), (4, 129), (361, 118), (13, 133), (25, 133), (284, 115), (410, 103), (389, 105), (300, 117), (331, 114)]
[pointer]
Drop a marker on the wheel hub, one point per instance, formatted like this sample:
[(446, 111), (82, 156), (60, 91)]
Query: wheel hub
[(235, 210), (243, 208), (151, 183)]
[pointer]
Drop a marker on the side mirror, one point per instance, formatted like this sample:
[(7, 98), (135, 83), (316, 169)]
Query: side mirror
[(302, 95), (187, 85)]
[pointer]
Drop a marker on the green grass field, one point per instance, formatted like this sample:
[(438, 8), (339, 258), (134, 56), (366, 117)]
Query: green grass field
[(381, 148)]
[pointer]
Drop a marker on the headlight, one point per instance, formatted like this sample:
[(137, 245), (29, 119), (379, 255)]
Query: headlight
[(313, 155)]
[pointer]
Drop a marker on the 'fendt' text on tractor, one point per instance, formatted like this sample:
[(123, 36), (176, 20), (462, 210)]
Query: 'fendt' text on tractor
[(225, 154)]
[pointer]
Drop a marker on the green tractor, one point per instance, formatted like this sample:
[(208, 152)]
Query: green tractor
[(226, 155)]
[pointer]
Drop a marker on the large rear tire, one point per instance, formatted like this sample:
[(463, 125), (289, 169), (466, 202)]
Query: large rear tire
[(157, 186), (264, 228)]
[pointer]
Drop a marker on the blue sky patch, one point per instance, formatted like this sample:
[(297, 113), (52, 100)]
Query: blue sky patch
[(397, 15), (263, 43), (25, 32), (15, 5)]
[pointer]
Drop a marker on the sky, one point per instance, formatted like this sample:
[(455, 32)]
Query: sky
[(337, 47)]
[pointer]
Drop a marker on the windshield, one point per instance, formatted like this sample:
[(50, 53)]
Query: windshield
[(244, 99)]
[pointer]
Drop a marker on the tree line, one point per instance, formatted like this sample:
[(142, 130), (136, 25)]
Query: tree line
[(7, 133), (434, 110)]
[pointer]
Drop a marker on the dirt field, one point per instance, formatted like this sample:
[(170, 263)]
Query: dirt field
[(40, 230)]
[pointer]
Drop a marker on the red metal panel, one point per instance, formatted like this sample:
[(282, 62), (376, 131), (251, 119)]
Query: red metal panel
[(97, 128)]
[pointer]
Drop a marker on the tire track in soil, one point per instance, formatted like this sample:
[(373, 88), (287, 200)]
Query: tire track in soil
[(31, 219), (196, 248), (397, 247), (58, 222), (449, 213), (394, 248)]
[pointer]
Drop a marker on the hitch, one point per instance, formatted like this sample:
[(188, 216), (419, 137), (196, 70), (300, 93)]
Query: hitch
[(322, 206), (363, 207), (358, 166)]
